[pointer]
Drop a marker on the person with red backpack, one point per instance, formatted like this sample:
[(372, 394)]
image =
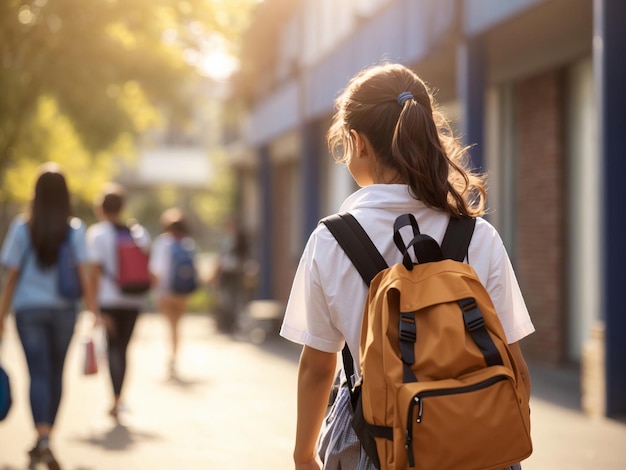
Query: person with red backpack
[(402, 154), (119, 254)]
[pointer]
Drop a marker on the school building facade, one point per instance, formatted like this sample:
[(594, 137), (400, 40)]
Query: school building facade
[(537, 86)]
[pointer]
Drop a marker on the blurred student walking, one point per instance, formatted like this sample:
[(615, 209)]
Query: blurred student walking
[(119, 309), (44, 318), (174, 274), (230, 276)]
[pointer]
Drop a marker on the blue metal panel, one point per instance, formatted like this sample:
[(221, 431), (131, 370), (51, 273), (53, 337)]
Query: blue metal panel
[(425, 23), (326, 80), (277, 114), (405, 31), (265, 242), (610, 69), (380, 39), (310, 178), (481, 15), (471, 85)]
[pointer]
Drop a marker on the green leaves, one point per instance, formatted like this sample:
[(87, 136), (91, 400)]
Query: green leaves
[(78, 77)]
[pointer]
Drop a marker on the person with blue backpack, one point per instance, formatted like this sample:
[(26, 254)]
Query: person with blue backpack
[(35, 289), (174, 274)]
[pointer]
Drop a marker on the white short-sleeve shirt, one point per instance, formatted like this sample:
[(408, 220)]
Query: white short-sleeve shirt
[(102, 251), (161, 259), (325, 307)]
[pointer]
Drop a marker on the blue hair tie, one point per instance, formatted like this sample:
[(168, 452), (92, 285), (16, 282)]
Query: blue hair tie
[(405, 95)]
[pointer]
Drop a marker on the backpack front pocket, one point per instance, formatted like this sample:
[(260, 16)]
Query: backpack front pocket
[(472, 423)]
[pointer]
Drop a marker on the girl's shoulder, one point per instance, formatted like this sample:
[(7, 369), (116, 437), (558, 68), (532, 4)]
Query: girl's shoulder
[(486, 242), (485, 230), (19, 226)]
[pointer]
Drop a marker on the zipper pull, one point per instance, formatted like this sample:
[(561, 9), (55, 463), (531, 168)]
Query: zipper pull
[(408, 443), (419, 404)]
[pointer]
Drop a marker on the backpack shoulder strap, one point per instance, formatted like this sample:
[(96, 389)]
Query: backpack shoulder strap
[(365, 257), (457, 238), (454, 246), (356, 244)]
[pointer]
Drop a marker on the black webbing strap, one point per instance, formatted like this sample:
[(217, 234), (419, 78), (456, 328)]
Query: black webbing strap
[(368, 261), (407, 334), (356, 244), (455, 245), (363, 254), (458, 236), (366, 432), (475, 325)]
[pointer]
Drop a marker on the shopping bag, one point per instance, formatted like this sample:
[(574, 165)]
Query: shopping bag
[(5, 394), (90, 363)]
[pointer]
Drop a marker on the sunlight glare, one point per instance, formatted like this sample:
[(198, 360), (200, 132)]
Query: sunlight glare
[(214, 60), (218, 65)]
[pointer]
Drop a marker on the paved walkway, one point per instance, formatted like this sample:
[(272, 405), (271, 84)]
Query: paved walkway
[(233, 407)]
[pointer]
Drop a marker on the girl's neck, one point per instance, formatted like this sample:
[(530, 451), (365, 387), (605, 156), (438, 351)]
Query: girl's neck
[(387, 176)]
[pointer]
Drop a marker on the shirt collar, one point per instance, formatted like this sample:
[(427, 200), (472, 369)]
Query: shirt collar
[(385, 196)]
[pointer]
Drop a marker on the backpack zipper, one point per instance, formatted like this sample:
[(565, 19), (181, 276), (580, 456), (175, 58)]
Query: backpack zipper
[(418, 401)]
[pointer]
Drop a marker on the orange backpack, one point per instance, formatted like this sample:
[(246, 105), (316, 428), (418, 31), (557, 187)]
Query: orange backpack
[(439, 388)]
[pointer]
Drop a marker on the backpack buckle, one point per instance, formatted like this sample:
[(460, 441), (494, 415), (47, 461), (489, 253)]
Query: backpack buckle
[(407, 331), (472, 316)]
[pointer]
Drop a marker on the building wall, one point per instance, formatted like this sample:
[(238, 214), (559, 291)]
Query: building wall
[(584, 207), (540, 211), (545, 66), (283, 229)]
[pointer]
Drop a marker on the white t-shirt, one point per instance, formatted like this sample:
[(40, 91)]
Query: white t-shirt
[(328, 294), (161, 259), (102, 251)]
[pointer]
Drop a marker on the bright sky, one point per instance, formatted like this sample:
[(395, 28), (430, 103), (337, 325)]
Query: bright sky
[(216, 62)]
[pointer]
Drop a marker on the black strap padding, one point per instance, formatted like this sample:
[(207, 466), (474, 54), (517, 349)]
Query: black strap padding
[(365, 257), (475, 325), (457, 238), (356, 244)]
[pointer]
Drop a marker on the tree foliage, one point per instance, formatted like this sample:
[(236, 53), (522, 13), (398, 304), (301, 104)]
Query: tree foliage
[(79, 79)]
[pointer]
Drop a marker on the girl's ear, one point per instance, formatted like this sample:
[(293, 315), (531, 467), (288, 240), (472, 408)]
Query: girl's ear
[(361, 145)]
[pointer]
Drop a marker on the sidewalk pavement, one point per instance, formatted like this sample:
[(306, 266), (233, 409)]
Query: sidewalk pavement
[(233, 404)]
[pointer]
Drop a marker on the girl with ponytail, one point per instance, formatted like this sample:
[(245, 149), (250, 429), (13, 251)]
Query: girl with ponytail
[(403, 155)]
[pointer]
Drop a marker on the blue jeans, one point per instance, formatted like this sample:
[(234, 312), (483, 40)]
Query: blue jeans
[(45, 335)]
